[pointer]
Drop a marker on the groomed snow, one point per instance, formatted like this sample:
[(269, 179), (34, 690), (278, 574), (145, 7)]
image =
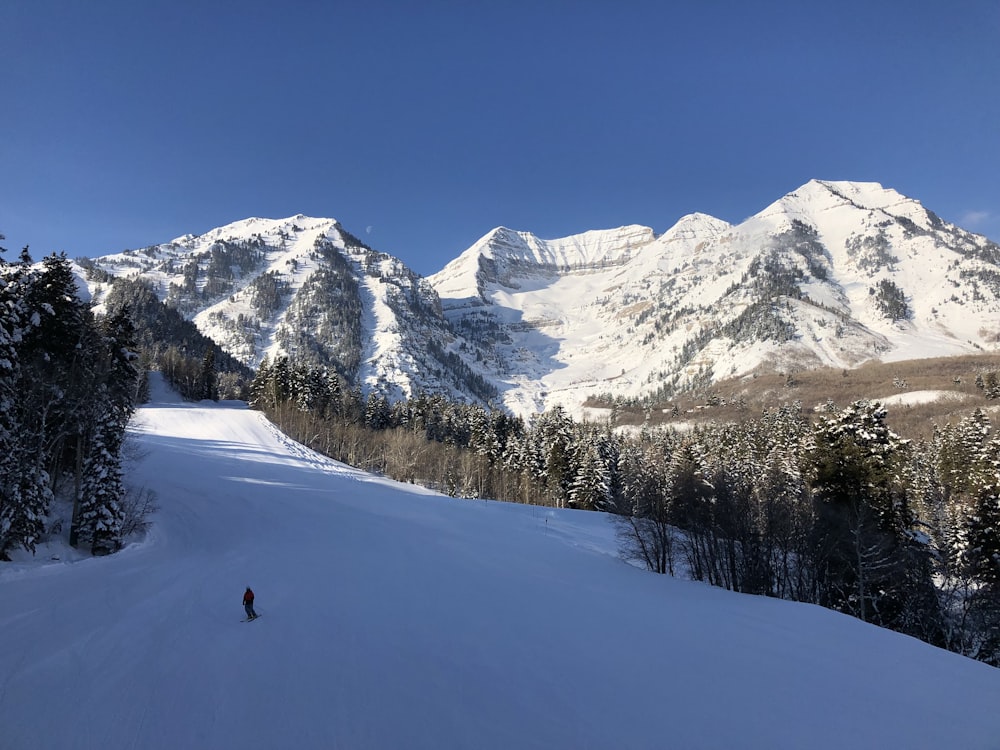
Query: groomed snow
[(396, 618)]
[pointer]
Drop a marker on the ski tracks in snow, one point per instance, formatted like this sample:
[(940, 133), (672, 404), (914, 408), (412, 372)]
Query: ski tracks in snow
[(308, 456)]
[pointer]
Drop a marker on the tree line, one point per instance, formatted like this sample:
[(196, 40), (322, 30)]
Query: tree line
[(165, 340), (833, 509)]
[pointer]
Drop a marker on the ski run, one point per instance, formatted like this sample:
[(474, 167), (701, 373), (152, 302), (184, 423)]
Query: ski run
[(399, 618)]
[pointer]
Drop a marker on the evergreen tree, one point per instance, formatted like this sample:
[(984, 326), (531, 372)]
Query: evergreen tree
[(862, 534), (45, 382), (644, 512), (12, 313), (259, 391), (552, 436), (209, 377), (590, 488), (27, 396), (99, 518), (981, 553), (67, 387), (693, 495), (377, 414), (279, 384)]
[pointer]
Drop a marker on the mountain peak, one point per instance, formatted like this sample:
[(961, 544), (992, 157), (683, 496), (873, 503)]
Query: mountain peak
[(256, 225), (586, 248), (502, 250), (696, 226), (870, 195), (813, 202)]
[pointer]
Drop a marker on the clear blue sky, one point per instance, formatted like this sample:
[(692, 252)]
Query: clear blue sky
[(423, 125)]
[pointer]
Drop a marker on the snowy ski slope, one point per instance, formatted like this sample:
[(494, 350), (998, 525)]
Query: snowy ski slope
[(397, 618)]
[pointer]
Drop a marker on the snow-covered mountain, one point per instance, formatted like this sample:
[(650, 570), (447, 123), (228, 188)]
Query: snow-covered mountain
[(834, 273), (393, 617), (306, 288)]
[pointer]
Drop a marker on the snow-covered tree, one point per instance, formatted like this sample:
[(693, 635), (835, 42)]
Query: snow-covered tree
[(551, 440), (644, 512), (259, 394), (99, 517), (981, 533), (590, 488), (25, 406), (868, 560), (377, 411)]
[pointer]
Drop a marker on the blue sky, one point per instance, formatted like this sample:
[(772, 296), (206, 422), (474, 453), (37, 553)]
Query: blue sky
[(423, 125)]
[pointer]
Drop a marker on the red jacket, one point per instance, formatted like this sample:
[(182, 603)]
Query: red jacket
[(248, 597)]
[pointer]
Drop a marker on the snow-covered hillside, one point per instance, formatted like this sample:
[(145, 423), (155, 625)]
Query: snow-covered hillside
[(393, 617)]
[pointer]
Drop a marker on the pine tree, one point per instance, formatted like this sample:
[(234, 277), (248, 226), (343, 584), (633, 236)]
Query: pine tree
[(67, 387), (552, 435), (377, 412), (99, 518), (259, 393), (644, 513), (11, 314), (209, 377), (483, 437), (27, 496), (693, 494), (280, 381), (863, 539), (28, 395), (981, 553), (590, 488)]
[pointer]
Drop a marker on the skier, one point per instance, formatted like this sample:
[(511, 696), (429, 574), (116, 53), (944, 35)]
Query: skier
[(248, 604)]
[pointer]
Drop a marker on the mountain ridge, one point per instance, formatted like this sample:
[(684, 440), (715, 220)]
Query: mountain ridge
[(834, 273)]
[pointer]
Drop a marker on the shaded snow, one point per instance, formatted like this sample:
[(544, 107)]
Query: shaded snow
[(393, 617)]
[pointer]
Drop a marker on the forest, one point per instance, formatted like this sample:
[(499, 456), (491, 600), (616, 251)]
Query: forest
[(69, 382)]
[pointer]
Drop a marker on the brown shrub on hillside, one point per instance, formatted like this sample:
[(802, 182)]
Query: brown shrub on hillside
[(910, 416)]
